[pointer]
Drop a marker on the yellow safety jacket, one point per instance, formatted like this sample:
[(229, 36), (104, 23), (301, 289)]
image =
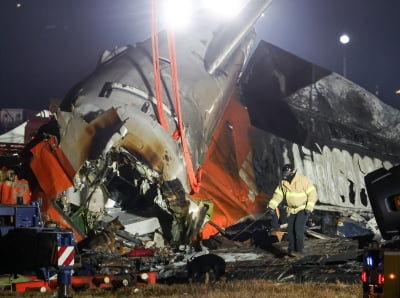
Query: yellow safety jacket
[(300, 194)]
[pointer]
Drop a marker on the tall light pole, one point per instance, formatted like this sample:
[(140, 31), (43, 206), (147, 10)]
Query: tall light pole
[(344, 40)]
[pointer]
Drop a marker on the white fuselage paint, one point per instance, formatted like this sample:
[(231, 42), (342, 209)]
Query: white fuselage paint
[(333, 170)]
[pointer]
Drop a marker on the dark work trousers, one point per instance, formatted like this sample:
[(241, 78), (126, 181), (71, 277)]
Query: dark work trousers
[(281, 219), (296, 226)]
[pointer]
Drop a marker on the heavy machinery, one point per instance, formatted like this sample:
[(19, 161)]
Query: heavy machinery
[(28, 247), (36, 257), (381, 274)]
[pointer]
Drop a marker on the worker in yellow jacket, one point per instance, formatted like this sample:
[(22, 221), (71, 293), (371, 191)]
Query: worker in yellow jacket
[(300, 195)]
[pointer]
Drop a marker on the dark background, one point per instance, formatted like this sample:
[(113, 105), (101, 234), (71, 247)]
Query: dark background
[(46, 46)]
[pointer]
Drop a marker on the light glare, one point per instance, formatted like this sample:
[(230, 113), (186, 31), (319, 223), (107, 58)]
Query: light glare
[(178, 13), (224, 8)]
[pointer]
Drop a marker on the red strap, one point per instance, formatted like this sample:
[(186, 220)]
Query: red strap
[(156, 66), (193, 179)]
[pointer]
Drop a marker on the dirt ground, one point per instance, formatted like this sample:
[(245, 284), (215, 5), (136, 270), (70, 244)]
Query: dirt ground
[(253, 288), (330, 268)]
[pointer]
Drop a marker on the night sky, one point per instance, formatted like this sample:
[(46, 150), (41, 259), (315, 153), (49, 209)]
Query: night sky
[(49, 45)]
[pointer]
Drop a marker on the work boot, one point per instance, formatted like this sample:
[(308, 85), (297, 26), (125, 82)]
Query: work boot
[(296, 254)]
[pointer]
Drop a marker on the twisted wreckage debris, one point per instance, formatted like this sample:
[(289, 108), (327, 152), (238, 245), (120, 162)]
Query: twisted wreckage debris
[(326, 261), (252, 253)]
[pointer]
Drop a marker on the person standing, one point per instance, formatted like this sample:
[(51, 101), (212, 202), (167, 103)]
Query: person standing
[(300, 195)]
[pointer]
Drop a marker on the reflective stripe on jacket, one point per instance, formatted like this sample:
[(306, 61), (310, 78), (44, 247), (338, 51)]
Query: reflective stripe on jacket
[(300, 194)]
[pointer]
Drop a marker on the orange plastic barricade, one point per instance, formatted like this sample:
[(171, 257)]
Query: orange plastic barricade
[(11, 190)]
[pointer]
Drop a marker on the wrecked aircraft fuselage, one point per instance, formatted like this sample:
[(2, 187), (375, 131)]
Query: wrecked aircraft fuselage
[(110, 129)]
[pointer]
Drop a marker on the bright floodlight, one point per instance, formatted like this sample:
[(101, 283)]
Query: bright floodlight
[(224, 8), (178, 13), (344, 39)]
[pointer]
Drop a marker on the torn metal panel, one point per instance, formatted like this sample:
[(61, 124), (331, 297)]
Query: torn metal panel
[(136, 225), (82, 140), (351, 228)]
